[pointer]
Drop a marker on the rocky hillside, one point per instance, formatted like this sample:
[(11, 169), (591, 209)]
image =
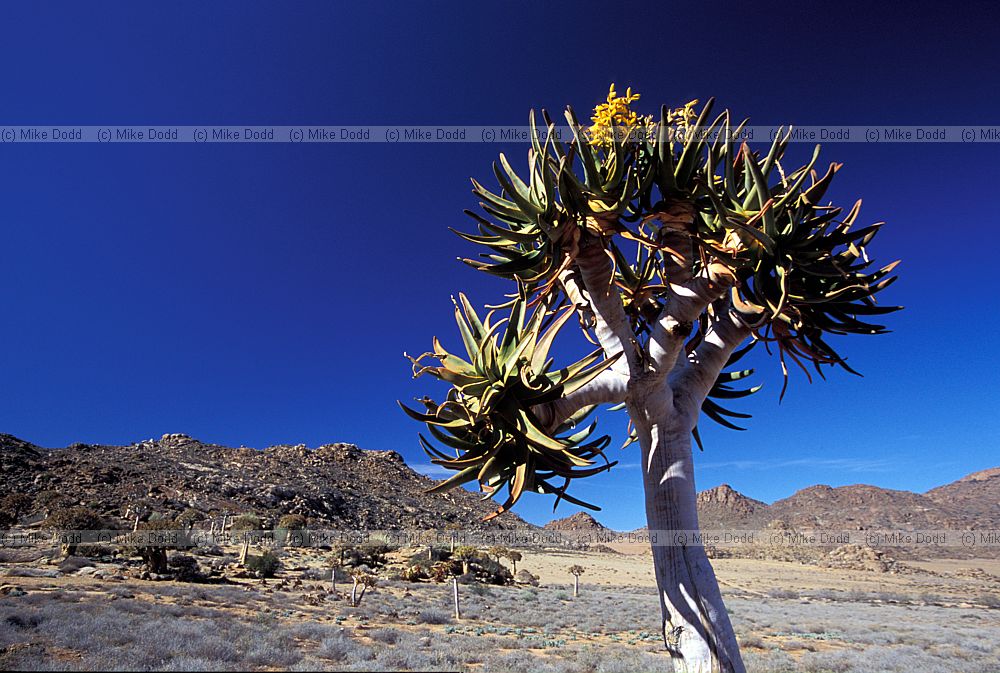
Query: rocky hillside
[(581, 521), (977, 496), (861, 507), (342, 486), (338, 485), (724, 507), (970, 502), (857, 507)]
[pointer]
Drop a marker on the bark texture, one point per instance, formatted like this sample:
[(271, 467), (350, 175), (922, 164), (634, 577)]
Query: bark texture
[(663, 385), (696, 628)]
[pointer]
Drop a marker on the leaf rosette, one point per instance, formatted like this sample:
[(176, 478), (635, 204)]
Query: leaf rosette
[(487, 419)]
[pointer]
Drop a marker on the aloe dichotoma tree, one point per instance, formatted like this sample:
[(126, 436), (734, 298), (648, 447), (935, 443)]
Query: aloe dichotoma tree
[(677, 249)]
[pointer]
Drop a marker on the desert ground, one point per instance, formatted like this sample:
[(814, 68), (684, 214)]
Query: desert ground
[(93, 615)]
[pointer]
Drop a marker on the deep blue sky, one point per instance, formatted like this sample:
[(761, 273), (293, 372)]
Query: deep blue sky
[(252, 294)]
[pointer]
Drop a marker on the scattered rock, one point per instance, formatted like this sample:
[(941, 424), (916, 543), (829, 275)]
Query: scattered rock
[(74, 563), (32, 572), (858, 557), (108, 574), (524, 577)]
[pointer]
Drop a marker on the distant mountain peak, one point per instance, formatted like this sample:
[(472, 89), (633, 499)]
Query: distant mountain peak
[(578, 521), (726, 495), (723, 506)]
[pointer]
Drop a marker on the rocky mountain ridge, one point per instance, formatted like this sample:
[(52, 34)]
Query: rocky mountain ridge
[(970, 503), (337, 485), (581, 521), (341, 485), (976, 495), (725, 507)]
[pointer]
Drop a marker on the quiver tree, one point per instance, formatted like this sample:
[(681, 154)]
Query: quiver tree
[(291, 522), (453, 527), (513, 556), (677, 250), (442, 570), (335, 563), (12, 507), (138, 511), (465, 554), (70, 525), (286, 527), (245, 523), (576, 571), (339, 553), (189, 517), (363, 579), (161, 535), (497, 552)]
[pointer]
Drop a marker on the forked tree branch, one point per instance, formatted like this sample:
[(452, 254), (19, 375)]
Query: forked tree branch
[(690, 294), (692, 381), (684, 305), (614, 331)]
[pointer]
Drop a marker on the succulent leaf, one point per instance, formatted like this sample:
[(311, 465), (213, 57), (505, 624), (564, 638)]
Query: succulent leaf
[(799, 272), (489, 417)]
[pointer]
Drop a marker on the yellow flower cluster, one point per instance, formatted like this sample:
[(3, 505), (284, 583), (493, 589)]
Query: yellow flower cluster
[(613, 113), (615, 116), (682, 116)]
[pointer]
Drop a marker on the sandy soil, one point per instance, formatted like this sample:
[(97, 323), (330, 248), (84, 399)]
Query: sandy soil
[(947, 578)]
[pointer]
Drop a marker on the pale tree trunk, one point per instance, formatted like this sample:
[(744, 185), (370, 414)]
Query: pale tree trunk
[(454, 589), (576, 586), (663, 387), (696, 627)]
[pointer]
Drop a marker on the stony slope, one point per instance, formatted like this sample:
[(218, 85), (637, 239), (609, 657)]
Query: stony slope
[(338, 485), (724, 507), (977, 496), (972, 502), (581, 521), (862, 507), (343, 486)]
